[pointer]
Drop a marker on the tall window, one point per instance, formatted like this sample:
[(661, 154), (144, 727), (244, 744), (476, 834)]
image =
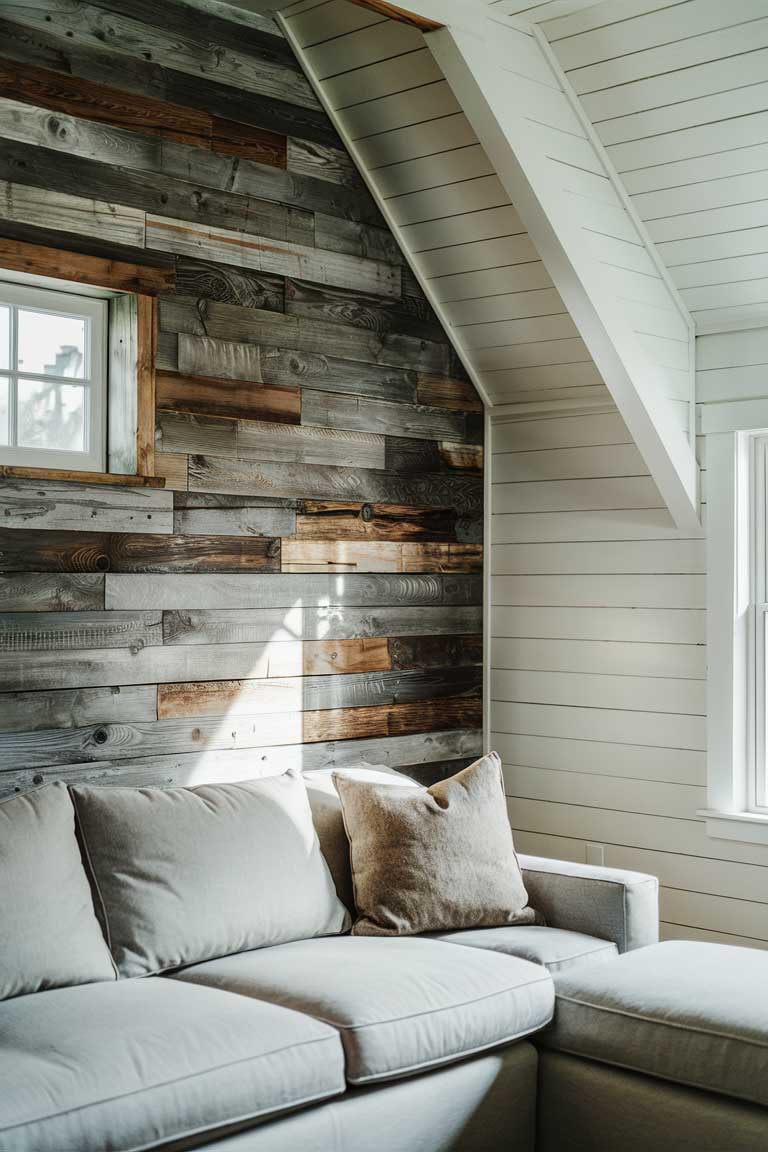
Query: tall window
[(757, 784), (52, 379)]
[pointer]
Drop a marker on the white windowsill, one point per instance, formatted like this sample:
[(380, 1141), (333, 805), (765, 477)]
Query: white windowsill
[(749, 826)]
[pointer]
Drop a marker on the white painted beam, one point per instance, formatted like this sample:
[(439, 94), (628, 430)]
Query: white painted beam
[(538, 153)]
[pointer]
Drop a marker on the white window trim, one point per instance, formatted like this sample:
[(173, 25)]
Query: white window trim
[(731, 679), (94, 311)]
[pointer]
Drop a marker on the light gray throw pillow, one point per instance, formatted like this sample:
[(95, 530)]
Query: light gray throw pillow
[(188, 874), (49, 934)]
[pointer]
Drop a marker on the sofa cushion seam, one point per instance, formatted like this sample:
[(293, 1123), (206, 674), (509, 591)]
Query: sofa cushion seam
[(661, 1023)]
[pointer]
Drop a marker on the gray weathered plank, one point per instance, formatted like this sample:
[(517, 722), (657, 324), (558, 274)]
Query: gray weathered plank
[(329, 410), (287, 590), (62, 631), (73, 507), (203, 513), (122, 414), (228, 359), (356, 239), (187, 432), (324, 482), (280, 258), (41, 592), (288, 367), (233, 322), (46, 208), (22, 711), (201, 767), (373, 313), (260, 440), (309, 158), (222, 626), (204, 280)]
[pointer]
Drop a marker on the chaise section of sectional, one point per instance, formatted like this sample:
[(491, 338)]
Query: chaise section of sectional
[(607, 903)]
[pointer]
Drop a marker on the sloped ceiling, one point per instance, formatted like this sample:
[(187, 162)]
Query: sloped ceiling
[(678, 94)]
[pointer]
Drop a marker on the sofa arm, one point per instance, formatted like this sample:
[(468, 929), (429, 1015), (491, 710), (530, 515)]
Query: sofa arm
[(605, 902)]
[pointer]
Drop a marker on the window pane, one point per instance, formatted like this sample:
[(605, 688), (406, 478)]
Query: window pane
[(5, 336), (51, 344), (51, 416), (4, 388)]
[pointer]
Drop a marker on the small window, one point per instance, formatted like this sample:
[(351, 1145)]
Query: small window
[(53, 379)]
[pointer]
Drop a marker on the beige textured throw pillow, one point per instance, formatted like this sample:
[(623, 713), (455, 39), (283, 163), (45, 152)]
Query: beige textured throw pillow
[(432, 859)]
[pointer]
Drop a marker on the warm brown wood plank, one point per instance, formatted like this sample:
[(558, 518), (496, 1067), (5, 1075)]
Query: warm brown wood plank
[(244, 399), (446, 392), (24, 550), (379, 556), (325, 657), (146, 344), (394, 12), (110, 478), (172, 466), (293, 694), (233, 139), (41, 260), (336, 520)]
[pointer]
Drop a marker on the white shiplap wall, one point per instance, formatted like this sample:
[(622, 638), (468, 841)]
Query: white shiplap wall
[(678, 93), (598, 673), (446, 204)]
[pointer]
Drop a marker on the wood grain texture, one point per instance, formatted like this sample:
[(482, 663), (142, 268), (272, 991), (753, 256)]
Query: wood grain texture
[(176, 152), (244, 399), (256, 625), (311, 693), (37, 259), (30, 503), (109, 479), (379, 556)]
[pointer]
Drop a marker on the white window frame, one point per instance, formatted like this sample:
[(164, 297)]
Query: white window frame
[(737, 595), (94, 311)]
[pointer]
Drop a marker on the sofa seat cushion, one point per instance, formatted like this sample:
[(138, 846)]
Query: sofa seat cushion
[(134, 1064), (555, 948), (401, 1005), (685, 1011)]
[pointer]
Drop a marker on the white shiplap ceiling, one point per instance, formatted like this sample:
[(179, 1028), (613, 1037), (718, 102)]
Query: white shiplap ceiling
[(678, 94)]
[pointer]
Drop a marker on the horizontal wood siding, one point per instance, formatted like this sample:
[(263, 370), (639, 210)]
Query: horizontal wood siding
[(599, 666), (306, 590)]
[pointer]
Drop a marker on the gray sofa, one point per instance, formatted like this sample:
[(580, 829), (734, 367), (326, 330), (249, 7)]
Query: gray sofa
[(338, 1043)]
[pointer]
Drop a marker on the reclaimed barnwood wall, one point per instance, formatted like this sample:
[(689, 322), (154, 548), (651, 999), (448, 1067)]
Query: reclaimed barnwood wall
[(306, 590)]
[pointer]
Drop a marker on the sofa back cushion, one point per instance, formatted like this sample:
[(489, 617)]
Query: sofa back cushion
[(49, 934), (188, 874)]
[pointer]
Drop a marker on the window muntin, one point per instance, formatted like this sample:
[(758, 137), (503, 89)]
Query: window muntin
[(52, 379)]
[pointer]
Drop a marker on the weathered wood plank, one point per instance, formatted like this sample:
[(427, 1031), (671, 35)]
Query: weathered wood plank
[(352, 203), (184, 432), (310, 158), (418, 749), (33, 711), (70, 506), (446, 392), (244, 399), (298, 445), (265, 74), (199, 513), (74, 175), (223, 321), (356, 239), (204, 280), (379, 556), (41, 551), (71, 475), (405, 454), (330, 410), (146, 355), (266, 255), (116, 742), (201, 356), (372, 313), (324, 482), (37, 259), (435, 651), (172, 466), (64, 631), (339, 520), (223, 626), (288, 367), (39, 592), (285, 590), (60, 212), (311, 693), (123, 353)]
